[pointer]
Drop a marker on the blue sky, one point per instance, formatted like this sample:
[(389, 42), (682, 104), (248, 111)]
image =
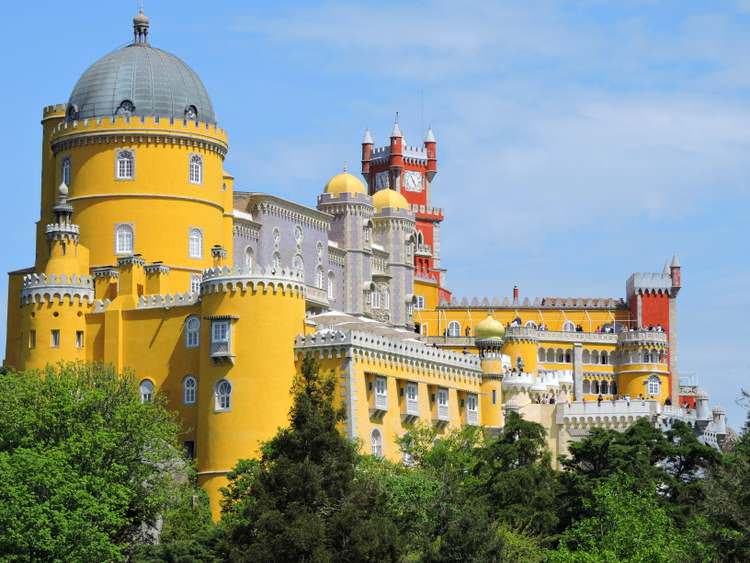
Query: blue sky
[(579, 141)]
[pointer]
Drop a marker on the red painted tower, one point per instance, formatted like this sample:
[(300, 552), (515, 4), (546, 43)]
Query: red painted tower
[(410, 170)]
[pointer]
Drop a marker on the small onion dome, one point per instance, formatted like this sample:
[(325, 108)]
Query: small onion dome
[(345, 183), (489, 328), (140, 19), (388, 198)]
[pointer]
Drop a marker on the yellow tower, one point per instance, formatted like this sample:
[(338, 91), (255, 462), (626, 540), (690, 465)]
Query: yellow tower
[(55, 300), (489, 339), (642, 369), (246, 377)]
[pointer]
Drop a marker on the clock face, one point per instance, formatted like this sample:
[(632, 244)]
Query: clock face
[(382, 180), (413, 181)]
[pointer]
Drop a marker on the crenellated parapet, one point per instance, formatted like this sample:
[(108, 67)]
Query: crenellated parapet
[(538, 303), (67, 232), (335, 343), (222, 279), (166, 301), (133, 129), (41, 287)]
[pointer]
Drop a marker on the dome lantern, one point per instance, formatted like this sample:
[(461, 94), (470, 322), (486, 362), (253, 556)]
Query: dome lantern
[(140, 28)]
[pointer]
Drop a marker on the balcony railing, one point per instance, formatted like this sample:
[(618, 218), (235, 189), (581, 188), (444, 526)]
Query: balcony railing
[(412, 407), (423, 250), (449, 340), (221, 349), (381, 401), (649, 336), (316, 295)]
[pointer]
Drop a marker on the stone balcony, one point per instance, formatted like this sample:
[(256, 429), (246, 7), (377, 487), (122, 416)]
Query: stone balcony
[(316, 295), (454, 341), (613, 412), (522, 332), (642, 336)]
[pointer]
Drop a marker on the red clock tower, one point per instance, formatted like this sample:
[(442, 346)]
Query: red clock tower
[(410, 170)]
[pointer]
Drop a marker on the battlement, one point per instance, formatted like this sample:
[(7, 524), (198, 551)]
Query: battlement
[(642, 337), (166, 301), (54, 110), (141, 125), (538, 303), (332, 342), (223, 278), (62, 230), (41, 287), (649, 282)]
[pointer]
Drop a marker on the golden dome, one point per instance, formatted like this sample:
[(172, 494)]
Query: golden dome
[(344, 183), (388, 198), (489, 328)]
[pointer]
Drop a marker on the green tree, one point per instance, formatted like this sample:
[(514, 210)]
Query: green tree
[(627, 523), (727, 502), (303, 502), (85, 468)]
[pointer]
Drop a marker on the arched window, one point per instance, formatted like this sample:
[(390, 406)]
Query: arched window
[(376, 442), (147, 391), (319, 278), (191, 112), (595, 386), (613, 387), (189, 387), (595, 357), (542, 355), (569, 326), (65, 171), (568, 356), (604, 358), (196, 169), (560, 356), (454, 329), (530, 324), (195, 283), (195, 243), (386, 299), (653, 385), (123, 239), (126, 107), (420, 238), (192, 332), (276, 261), (586, 386), (124, 165), (298, 263), (331, 289), (375, 299), (249, 259), (586, 357), (646, 357), (550, 355), (223, 395)]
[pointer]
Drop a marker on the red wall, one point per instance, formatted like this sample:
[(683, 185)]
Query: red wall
[(655, 310)]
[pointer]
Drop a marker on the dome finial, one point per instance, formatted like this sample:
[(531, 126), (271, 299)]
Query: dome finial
[(140, 27)]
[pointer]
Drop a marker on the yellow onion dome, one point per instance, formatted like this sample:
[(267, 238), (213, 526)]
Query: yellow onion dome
[(489, 328), (388, 198), (344, 183)]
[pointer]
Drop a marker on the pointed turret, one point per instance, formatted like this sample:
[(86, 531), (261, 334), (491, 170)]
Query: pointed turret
[(430, 145), (676, 272), (367, 157), (396, 159)]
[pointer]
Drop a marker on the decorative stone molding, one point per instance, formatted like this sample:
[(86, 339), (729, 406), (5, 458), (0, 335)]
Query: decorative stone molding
[(619, 414), (41, 287), (538, 303), (293, 213), (642, 337), (152, 269), (217, 280), (105, 272), (134, 260), (167, 300), (334, 343)]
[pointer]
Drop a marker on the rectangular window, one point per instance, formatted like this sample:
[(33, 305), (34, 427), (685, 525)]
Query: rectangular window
[(79, 339), (32, 339), (220, 338), (381, 393), (423, 329), (494, 397), (55, 338), (189, 446), (442, 404), (195, 284), (420, 302), (472, 409), (412, 399)]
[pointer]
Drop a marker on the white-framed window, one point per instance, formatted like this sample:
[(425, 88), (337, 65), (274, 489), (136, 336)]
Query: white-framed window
[(472, 409), (192, 332), (298, 263), (376, 442), (195, 243), (442, 404), (331, 289), (569, 327), (249, 259), (586, 386), (124, 239), (653, 385), (146, 389), (196, 169), (65, 171), (559, 356), (79, 339), (386, 299), (423, 329), (54, 339), (420, 302), (381, 393), (220, 338), (189, 388), (604, 358), (223, 395), (454, 329), (125, 165), (550, 355), (32, 339), (595, 357), (542, 355), (375, 299), (319, 278), (586, 357), (409, 310), (195, 284)]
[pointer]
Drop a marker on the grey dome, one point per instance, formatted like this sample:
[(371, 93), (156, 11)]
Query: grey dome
[(143, 81)]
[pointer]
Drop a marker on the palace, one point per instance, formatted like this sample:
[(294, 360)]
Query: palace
[(149, 258)]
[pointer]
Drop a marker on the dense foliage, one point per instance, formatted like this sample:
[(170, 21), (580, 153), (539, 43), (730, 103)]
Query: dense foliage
[(85, 469)]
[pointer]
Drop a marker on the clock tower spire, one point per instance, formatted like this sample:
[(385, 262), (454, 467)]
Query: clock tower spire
[(410, 171)]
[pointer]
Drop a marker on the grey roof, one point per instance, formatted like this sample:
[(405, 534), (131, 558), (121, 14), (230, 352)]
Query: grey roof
[(156, 82)]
